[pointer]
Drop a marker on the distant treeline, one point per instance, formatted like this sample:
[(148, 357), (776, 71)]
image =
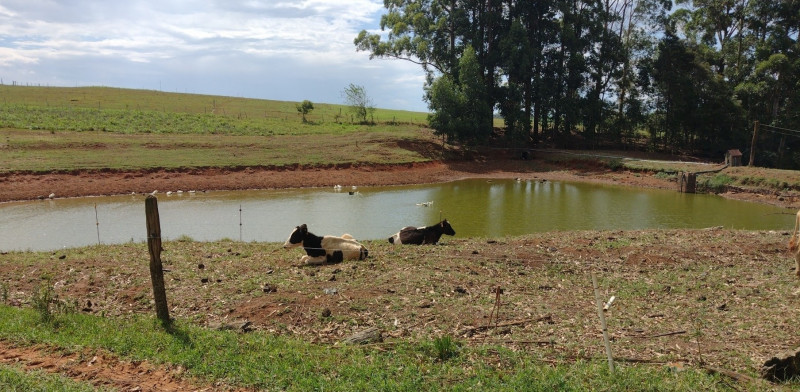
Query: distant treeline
[(691, 76)]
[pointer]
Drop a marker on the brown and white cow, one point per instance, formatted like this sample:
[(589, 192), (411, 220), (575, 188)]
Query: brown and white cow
[(422, 235), (326, 249), (794, 244)]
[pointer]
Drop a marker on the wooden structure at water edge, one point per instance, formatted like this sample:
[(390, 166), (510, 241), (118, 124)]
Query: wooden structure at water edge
[(687, 181)]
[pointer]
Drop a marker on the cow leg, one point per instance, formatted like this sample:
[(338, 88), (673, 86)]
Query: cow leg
[(308, 260)]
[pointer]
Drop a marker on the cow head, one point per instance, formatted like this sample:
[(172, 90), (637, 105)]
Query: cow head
[(297, 236), (446, 228)]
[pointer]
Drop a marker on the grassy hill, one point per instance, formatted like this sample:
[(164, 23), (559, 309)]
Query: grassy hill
[(45, 129), (108, 98)]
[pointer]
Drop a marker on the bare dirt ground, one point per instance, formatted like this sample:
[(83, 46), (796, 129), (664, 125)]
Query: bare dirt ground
[(713, 297), (103, 370)]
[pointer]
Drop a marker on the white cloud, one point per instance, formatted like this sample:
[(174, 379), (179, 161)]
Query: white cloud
[(290, 47)]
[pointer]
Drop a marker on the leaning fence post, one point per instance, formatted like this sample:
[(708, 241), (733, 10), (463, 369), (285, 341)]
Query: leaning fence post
[(602, 316), (154, 246)]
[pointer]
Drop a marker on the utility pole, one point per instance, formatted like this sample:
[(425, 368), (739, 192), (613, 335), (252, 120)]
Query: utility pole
[(753, 144)]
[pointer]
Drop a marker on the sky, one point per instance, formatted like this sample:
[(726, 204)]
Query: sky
[(287, 50)]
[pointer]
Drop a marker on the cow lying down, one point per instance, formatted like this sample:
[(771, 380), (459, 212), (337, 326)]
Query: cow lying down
[(422, 235), (326, 249)]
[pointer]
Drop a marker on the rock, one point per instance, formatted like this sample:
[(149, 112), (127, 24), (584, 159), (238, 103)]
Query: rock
[(782, 367), (369, 335), (239, 326)]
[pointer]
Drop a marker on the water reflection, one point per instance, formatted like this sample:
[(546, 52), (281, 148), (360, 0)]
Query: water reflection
[(476, 208)]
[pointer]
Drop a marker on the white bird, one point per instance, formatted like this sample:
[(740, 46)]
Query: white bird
[(153, 193), (169, 193), (354, 187), (52, 195), (337, 187)]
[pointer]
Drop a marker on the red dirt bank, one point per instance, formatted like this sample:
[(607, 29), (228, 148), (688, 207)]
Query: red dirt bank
[(93, 183), (17, 186)]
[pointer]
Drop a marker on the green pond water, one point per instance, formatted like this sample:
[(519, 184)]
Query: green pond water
[(475, 208)]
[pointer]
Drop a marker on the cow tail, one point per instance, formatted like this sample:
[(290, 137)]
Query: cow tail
[(793, 243)]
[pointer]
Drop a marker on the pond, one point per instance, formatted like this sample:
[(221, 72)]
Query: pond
[(475, 208)]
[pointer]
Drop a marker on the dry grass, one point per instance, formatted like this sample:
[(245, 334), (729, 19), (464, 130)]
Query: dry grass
[(723, 298)]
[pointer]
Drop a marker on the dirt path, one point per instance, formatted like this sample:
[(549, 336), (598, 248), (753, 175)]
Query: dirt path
[(101, 370)]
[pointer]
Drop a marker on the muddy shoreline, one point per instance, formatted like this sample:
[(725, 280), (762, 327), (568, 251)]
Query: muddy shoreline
[(32, 186)]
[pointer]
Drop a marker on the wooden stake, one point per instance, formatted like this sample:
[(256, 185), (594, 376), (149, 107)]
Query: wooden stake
[(602, 316), (156, 269)]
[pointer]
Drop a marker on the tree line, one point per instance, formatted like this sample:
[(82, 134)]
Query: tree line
[(690, 76)]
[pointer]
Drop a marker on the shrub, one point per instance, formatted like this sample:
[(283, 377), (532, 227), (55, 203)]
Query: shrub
[(717, 184), (445, 348)]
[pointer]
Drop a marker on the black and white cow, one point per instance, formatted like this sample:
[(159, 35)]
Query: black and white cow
[(326, 249), (422, 235)]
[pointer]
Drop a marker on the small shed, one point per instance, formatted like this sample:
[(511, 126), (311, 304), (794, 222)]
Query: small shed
[(733, 158)]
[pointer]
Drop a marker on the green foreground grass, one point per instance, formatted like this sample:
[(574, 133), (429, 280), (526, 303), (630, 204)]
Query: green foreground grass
[(268, 362)]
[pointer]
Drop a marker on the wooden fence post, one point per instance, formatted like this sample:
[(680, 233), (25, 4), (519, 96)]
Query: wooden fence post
[(154, 246)]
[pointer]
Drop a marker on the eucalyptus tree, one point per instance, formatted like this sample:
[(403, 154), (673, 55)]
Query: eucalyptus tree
[(455, 113), (434, 34)]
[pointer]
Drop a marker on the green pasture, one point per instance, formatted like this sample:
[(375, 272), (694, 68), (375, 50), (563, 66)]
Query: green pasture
[(45, 129), (51, 151), (81, 103)]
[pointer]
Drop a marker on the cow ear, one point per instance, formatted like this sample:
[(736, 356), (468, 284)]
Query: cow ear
[(303, 228)]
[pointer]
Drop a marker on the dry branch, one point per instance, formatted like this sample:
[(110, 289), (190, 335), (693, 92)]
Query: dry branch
[(472, 330), (660, 335)]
